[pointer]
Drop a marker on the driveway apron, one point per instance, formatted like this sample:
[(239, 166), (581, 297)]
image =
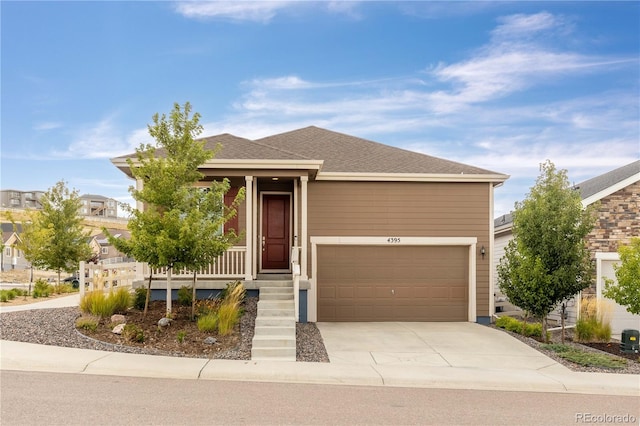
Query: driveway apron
[(429, 344)]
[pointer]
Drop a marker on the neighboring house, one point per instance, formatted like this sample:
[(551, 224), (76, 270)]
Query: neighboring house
[(92, 205), (107, 253), (12, 199), (98, 205), (618, 193), (384, 234), (12, 258)]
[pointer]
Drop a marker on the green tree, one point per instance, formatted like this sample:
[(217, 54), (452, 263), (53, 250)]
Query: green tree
[(202, 236), (164, 233), (547, 261), (627, 291), (53, 238)]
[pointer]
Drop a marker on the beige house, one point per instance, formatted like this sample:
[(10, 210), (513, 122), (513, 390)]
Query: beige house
[(382, 234)]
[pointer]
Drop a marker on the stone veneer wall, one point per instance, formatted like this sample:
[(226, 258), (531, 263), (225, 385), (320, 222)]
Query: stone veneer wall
[(618, 220)]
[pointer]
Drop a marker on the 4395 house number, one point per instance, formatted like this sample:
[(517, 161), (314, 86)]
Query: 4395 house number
[(393, 240)]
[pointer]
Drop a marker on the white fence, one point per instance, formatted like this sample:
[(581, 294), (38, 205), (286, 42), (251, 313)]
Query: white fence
[(106, 277)]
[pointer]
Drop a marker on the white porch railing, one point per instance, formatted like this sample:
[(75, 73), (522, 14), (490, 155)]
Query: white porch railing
[(295, 273), (230, 265)]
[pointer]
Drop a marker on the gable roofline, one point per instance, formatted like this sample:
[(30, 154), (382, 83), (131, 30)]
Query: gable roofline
[(591, 190), (599, 187)]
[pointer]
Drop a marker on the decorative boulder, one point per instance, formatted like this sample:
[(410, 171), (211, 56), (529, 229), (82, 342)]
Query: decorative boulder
[(164, 322), (118, 319), (118, 328), (210, 340)]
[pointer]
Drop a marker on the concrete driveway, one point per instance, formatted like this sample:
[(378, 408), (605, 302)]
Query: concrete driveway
[(429, 344)]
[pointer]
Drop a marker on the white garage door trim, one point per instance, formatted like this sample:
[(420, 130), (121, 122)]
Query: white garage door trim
[(600, 275), (470, 242)]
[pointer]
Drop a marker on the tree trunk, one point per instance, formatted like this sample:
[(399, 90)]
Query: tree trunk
[(193, 296), (148, 295), (564, 309), (544, 329), (169, 291)]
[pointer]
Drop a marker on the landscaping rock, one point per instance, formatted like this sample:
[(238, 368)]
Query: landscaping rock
[(118, 328), (164, 322), (118, 319), (210, 340)]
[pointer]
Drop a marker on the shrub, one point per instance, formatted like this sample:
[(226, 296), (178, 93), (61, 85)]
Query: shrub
[(208, 322), (184, 296), (4, 296), (64, 288), (42, 289), (234, 293), (139, 298), (205, 307), (101, 305), (133, 333), (181, 335), (121, 299), (228, 315), (516, 326), (87, 323), (593, 324)]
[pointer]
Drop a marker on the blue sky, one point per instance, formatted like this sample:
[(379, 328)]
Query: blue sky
[(499, 85)]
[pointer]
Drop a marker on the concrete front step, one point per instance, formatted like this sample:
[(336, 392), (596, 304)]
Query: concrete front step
[(275, 330), (276, 304), (276, 296), (273, 354), (273, 341), (274, 337), (275, 321), (262, 284)]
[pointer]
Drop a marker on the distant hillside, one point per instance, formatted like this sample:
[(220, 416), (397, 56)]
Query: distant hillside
[(92, 223)]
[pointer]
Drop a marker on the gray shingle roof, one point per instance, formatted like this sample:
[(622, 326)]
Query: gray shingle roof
[(350, 154), (590, 186), (600, 183), (339, 152)]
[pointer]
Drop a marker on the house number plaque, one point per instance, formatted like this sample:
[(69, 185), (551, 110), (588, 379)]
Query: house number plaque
[(393, 240)]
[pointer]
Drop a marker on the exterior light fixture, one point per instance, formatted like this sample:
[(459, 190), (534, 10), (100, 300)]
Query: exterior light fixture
[(482, 251), (275, 178)]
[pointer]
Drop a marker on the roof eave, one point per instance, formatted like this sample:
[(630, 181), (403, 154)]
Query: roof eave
[(496, 179)]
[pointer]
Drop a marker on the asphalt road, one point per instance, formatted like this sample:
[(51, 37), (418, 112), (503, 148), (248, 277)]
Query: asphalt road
[(29, 398)]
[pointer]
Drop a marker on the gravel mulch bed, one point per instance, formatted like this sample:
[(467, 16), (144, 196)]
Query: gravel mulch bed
[(632, 367), (56, 327)]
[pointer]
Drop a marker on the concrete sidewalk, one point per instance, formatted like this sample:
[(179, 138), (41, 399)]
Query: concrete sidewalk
[(426, 356)]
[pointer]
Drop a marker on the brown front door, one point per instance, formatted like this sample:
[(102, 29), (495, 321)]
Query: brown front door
[(275, 231)]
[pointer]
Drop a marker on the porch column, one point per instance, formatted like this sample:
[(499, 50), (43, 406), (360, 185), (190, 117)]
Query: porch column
[(139, 204), (303, 234), (248, 259)]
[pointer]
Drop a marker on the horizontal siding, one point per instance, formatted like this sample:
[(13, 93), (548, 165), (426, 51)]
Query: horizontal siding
[(417, 209)]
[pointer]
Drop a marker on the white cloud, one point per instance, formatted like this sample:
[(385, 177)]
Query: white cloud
[(260, 11), (47, 125), (104, 139), (255, 11)]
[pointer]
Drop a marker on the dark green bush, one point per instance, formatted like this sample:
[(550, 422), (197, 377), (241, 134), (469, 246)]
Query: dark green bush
[(184, 296), (42, 289), (133, 333), (516, 326), (139, 298)]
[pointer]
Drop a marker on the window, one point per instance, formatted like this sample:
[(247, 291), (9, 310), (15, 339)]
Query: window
[(7, 251), (104, 250)]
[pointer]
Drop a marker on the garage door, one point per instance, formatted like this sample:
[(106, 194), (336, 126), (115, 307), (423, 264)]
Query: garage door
[(398, 283)]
